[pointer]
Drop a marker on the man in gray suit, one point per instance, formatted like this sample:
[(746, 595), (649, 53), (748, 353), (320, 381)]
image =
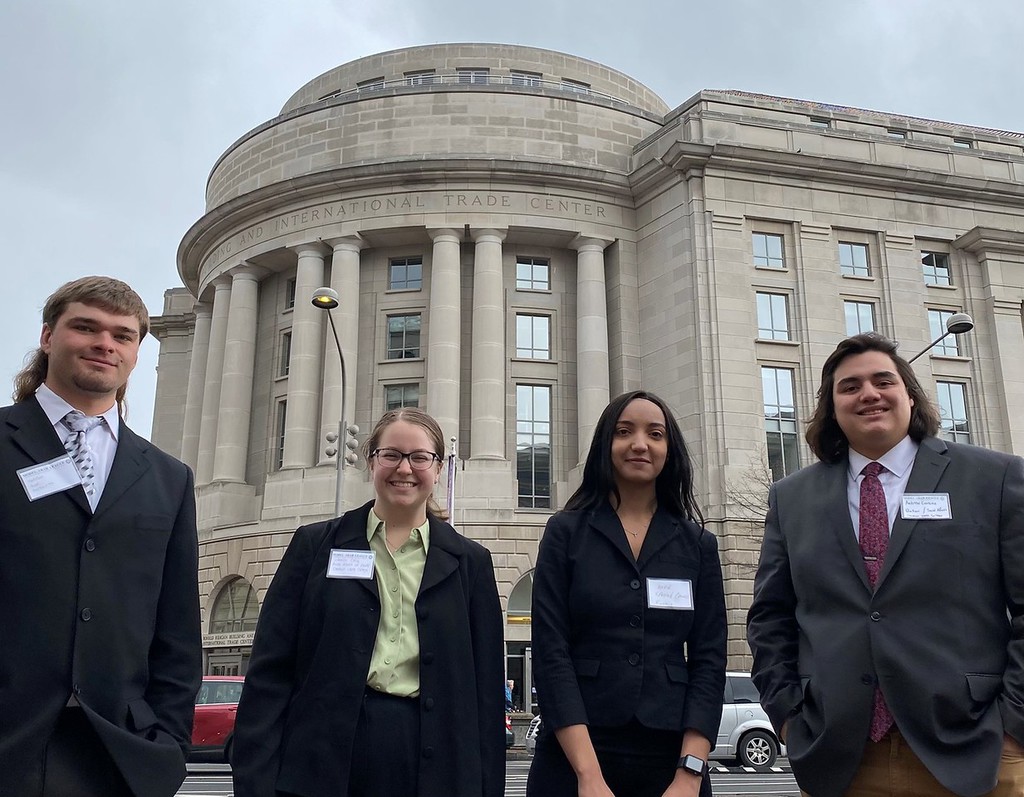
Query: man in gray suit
[(887, 624)]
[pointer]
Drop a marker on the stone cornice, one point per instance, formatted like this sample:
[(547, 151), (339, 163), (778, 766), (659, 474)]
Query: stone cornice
[(986, 240)]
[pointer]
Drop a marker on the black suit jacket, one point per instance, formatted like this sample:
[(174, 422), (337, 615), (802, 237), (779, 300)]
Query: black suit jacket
[(942, 634), (601, 656), (311, 654), (105, 605)]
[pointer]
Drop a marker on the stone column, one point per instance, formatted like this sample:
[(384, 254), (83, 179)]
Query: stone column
[(444, 366), (236, 383), (211, 387), (592, 381), (305, 363), (487, 439), (345, 280), (196, 384)]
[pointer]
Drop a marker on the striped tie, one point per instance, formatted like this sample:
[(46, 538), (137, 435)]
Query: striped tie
[(78, 447)]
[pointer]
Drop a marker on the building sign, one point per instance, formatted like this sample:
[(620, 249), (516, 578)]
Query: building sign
[(236, 639)]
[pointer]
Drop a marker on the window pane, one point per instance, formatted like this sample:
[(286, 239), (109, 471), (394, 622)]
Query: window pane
[(398, 396), (405, 274), (772, 317), (532, 336), (780, 421), (768, 250), (953, 421), (949, 346), (403, 336), (935, 266), (853, 259), (236, 608), (860, 317), (532, 274), (533, 445)]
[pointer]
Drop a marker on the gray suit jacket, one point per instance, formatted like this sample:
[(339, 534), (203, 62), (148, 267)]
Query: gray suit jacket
[(942, 634)]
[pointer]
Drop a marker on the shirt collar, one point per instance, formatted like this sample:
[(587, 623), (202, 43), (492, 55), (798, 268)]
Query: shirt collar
[(374, 525), (56, 408), (897, 460)]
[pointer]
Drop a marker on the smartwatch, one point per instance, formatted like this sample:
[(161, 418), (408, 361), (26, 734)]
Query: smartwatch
[(693, 765)]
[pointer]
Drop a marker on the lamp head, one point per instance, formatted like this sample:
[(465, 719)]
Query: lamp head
[(959, 323), (325, 298)]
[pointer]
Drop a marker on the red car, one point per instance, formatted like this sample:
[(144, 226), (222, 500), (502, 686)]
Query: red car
[(216, 705)]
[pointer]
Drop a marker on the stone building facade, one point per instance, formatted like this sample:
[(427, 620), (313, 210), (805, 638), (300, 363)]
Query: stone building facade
[(517, 235)]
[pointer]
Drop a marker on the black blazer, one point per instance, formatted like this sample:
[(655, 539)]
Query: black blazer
[(311, 654), (105, 604), (601, 656), (942, 634)]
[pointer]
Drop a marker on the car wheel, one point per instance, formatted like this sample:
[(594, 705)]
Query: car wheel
[(758, 749)]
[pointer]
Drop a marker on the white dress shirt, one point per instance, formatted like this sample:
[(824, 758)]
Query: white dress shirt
[(898, 462)]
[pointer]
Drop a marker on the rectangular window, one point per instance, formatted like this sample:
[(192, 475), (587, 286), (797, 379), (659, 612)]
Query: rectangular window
[(289, 294), (398, 396), (853, 260), (768, 250), (424, 77), (285, 360), (519, 78), (405, 274), (575, 85), (473, 75), (948, 346), (373, 84), (963, 143), (772, 317), (819, 121), (860, 317), (533, 274), (533, 336), (403, 336), (935, 266), (533, 445), (780, 421), (897, 134), (953, 422), (282, 416)]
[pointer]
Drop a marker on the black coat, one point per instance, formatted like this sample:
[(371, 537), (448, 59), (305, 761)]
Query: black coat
[(601, 656), (104, 603), (311, 654)]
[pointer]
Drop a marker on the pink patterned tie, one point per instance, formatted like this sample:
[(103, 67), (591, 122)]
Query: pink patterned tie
[(874, 542)]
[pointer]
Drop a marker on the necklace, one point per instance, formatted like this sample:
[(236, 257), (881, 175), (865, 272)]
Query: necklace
[(636, 534)]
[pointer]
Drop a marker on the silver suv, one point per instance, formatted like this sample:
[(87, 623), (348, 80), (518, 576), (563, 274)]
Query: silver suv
[(745, 733)]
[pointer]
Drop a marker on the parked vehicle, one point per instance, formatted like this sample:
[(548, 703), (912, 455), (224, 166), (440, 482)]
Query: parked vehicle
[(214, 724), (745, 733)]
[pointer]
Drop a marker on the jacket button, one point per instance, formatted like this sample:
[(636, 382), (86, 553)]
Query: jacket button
[(634, 584), (428, 703), (427, 658), (76, 689), (634, 659), (876, 616), (90, 544), (428, 752), (634, 621), (86, 614)]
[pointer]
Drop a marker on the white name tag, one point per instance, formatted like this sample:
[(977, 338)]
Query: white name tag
[(926, 506), (350, 564), (50, 477), (669, 593)]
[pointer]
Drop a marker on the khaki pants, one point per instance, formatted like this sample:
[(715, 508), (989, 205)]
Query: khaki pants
[(890, 769)]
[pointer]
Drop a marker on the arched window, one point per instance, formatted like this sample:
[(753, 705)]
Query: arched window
[(236, 608), (520, 600)]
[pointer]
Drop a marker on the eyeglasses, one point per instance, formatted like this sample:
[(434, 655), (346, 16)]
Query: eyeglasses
[(392, 458)]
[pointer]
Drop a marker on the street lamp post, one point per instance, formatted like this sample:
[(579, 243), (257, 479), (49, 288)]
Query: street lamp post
[(327, 299), (956, 324)]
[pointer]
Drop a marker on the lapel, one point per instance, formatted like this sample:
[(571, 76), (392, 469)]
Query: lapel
[(32, 432), (442, 556), (929, 465), (130, 463), (834, 494), (663, 530), (607, 523), (351, 534)]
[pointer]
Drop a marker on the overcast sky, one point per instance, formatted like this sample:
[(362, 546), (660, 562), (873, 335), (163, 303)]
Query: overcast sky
[(115, 110)]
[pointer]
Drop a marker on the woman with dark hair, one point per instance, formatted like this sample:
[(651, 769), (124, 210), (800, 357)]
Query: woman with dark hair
[(629, 626), (378, 664)]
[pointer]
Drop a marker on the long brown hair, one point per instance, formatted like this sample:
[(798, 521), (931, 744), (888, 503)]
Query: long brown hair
[(106, 293), (824, 435), (417, 417)]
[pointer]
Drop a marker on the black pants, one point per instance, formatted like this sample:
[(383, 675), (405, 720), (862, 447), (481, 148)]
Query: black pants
[(635, 762), (76, 763), (386, 749)]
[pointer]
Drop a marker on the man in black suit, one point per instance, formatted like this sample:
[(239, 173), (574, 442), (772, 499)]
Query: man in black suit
[(887, 624), (100, 649)]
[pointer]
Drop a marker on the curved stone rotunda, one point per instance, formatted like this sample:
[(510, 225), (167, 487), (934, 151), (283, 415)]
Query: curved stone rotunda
[(516, 236)]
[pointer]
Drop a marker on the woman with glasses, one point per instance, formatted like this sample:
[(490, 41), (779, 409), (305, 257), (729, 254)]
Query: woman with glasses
[(629, 624), (377, 666)]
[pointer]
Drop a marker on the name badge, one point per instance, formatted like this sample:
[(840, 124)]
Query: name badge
[(926, 506), (670, 593), (350, 564), (50, 477)]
